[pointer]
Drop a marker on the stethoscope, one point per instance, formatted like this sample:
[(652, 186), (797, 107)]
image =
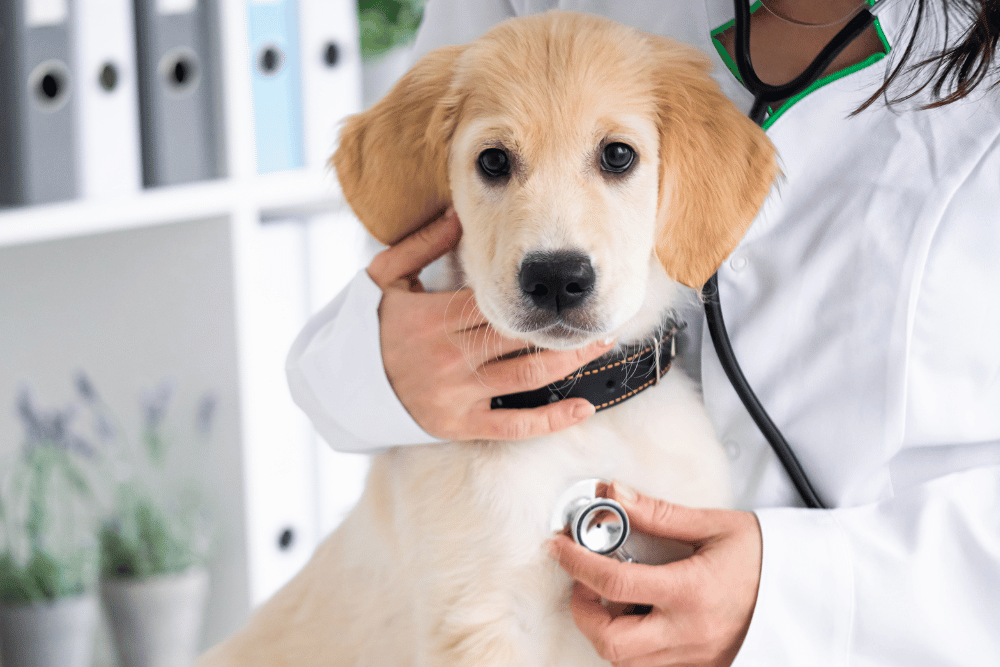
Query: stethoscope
[(764, 94), (601, 524)]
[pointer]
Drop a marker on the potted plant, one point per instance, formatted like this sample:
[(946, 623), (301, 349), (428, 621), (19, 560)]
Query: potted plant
[(387, 29), (155, 542), (48, 555)]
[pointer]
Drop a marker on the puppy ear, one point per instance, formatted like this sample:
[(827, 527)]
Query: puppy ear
[(392, 158), (716, 167)]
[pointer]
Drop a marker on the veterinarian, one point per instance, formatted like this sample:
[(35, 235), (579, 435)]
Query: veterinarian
[(863, 304)]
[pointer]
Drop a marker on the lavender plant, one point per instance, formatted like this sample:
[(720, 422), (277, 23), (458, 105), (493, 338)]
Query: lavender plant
[(48, 510), (157, 525)]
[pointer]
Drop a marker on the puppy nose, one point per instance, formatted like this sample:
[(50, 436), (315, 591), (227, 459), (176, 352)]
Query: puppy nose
[(557, 280)]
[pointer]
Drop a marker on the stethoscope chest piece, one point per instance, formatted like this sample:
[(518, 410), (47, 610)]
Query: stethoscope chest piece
[(598, 524)]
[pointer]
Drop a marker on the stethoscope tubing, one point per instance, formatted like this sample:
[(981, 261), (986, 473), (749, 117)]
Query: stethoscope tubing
[(727, 358), (764, 94)]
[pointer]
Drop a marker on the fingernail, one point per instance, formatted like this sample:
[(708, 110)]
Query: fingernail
[(608, 341), (552, 549), (583, 410), (623, 492)]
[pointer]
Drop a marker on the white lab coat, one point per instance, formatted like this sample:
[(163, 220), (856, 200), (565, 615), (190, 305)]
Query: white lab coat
[(864, 307)]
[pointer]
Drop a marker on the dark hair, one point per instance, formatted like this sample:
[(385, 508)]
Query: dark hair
[(959, 67)]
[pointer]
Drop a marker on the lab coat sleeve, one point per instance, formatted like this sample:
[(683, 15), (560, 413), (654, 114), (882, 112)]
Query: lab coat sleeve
[(335, 374), (910, 581)]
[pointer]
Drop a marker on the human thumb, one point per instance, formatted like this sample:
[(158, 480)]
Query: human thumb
[(413, 252), (659, 518)]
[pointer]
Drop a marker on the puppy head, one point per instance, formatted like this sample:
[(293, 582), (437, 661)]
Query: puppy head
[(593, 167)]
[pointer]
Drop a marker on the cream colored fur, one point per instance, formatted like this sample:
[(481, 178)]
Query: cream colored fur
[(442, 561)]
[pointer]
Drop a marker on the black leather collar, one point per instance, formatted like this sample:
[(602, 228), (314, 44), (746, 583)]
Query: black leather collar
[(606, 381)]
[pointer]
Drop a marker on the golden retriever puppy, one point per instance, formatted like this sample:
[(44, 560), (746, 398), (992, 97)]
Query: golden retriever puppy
[(603, 159)]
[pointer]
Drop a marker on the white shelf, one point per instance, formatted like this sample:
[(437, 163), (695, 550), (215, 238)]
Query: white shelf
[(281, 194), (254, 248)]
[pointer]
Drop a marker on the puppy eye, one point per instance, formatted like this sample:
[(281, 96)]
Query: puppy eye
[(617, 157), (494, 162)]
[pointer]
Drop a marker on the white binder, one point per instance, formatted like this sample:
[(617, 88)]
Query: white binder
[(279, 458), (37, 104), (108, 158), (331, 73)]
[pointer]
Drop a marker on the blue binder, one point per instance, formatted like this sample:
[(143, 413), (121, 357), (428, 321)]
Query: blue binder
[(273, 38)]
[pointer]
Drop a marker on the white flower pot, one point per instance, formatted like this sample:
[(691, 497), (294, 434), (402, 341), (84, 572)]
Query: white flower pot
[(156, 622), (55, 634)]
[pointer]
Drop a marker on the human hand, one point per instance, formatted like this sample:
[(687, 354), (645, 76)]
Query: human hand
[(701, 605), (443, 359)]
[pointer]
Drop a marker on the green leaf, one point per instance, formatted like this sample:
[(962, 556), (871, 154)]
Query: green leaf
[(40, 466), (155, 446), (45, 572), (386, 24), (145, 543), (71, 473), (16, 587), (118, 557), (43, 578)]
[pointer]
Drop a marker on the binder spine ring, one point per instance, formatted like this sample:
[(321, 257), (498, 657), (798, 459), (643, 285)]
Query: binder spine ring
[(331, 54), (50, 85), (181, 69), (108, 77), (270, 59)]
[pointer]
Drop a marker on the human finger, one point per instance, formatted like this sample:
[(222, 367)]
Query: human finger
[(621, 639), (445, 312), (484, 344), (528, 423), (657, 517), (612, 580), (681, 656), (467, 328), (535, 370), (590, 614), (664, 657), (405, 259), (460, 311)]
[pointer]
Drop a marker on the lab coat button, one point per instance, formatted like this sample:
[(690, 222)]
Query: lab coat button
[(732, 449), (738, 263)]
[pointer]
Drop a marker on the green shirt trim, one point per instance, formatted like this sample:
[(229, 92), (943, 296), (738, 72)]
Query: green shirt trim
[(774, 115)]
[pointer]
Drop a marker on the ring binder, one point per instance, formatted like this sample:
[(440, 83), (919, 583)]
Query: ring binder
[(331, 74), (277, 91), (108, 119), (37, 134), (177, 115)]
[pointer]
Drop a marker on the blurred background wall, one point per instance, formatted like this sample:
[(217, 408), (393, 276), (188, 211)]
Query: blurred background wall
[(168, 224)]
